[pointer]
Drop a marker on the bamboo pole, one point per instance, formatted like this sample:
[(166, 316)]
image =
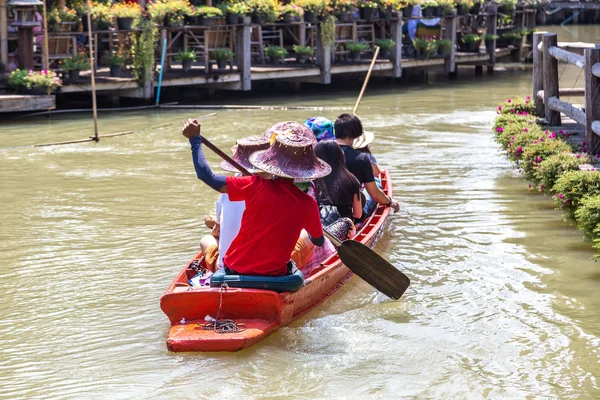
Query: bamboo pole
[(46, 56), (364, 86), (92, 65)]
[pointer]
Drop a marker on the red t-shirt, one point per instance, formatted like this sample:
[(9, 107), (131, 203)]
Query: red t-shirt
[(276, 212)]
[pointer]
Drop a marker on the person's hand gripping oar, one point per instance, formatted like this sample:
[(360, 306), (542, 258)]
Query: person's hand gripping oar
[(359, 258)]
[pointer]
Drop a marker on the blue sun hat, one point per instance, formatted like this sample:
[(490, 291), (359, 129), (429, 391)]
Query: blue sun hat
[(321, 127)]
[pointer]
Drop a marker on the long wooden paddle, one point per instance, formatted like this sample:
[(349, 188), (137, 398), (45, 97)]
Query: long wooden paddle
[(359, 258)]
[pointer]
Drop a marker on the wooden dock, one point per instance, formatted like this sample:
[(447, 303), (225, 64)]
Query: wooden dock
[(17, 103)]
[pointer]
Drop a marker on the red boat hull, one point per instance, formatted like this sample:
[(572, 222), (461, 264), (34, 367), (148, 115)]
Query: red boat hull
[(261, 311)]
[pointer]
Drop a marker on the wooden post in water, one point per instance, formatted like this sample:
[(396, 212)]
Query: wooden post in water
[(492, 28), (396, 29), (3, 32), (538, 74), (92, 64), (592, 98), (324, 58), (519, 20), (450, 34), (46, 50), (243, 55), (550, 78)]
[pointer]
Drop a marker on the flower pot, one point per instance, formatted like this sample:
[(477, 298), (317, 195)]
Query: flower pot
[(462, 9), (384, 54), (257, 19), (275, 60), (310, 17), (386, 14), (287, 18), (503, 9), (428, 12), (345, 16), (355, 56), (222, 64), (38, 91), (420, 54), (202, 20), (115, 72), (85, 25), (73, 75), (368, 13), (124, 24), (232, 19), (68, 26), (407, 11), (187, 65), (438, 11), (475, 9), (301, 58)]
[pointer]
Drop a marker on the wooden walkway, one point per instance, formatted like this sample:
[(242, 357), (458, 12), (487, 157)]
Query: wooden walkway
[(17, 103)]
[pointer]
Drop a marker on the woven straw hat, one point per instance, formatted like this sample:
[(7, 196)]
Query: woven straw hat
[(363, 140), (291, 156), (290, 128), (242, 151)]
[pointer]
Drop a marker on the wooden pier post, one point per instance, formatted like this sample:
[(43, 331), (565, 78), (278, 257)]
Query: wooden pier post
[(538, 74), (519, 21), (550, 78), (243, 54), (592, 98), (492, 28), (396, 29), (324, 59), (3, 32), (450, 34)]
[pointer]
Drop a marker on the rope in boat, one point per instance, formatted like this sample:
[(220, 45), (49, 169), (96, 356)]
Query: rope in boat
[(224, 325)]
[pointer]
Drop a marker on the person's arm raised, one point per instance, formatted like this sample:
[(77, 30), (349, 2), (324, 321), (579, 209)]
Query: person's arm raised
[(191, 131)]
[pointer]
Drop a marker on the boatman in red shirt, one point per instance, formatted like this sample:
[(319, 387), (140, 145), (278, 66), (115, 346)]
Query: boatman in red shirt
[(276, 209)]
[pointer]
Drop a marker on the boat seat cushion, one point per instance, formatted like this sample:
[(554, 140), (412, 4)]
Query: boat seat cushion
[(286, 283)]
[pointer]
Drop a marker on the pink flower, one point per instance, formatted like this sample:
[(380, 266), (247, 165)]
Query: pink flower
[(539, 159), (578, 155), (499, 129), (560, 196), (499, 108), (508, 101), (528, 97), (526, 101), (525, 130), (512, 111), (583, 143), (529, 187)]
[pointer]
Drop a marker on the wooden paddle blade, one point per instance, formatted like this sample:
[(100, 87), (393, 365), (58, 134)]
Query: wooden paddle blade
[(373, 268)]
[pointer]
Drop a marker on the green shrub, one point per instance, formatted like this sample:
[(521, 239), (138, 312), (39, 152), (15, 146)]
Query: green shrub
[(357, 47), (115, 61), (538, 151), (506, 135), (385, 44), (185, 55), (208, 12), (588, 218), (221, 54), (488, 37), (470, 38), (551, 168), (303, 50), (18, 79), (572, 186), (275, 52), (517, 106), (77, 63)]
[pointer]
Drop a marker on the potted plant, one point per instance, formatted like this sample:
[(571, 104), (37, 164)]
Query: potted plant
[(342, 9), (290, 13), (186, 58), (17, 80), (101, 16), (407, 8), (385, 45), (387, 8), (169, 13), (42, 82), (506, 6), (262, 11), (205, 15), (68, 19), (303, 53), (313, 9), (125, 13), (222, 56), (356, 49), (424, 47), (368, 9), (430, 9), (463, 6), (234, 11), (470, 42), (489, 41), (276, 54), (476, 7), (115, 62), (444, 47), (75, 65), (53, 20), (513, 37)]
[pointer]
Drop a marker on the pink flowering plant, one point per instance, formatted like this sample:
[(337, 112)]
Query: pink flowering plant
[(539, 150), (588, 220), (518, 105), (552, 167), (572, 187), (42, 79)]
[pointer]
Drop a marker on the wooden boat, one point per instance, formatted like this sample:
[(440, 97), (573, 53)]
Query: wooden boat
[(261, 311)]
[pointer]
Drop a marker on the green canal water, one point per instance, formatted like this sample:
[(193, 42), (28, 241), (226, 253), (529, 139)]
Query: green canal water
[(503, 303)]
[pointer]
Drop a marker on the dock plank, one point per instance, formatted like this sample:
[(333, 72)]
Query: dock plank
[(18, 103)]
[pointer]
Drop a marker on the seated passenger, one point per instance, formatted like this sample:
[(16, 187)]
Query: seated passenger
[(340, 188), (361, 144), (321, 127), (347, 128), (276, 210)]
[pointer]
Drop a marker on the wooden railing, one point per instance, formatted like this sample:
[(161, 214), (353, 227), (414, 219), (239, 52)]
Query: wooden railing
[(546, 92)]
